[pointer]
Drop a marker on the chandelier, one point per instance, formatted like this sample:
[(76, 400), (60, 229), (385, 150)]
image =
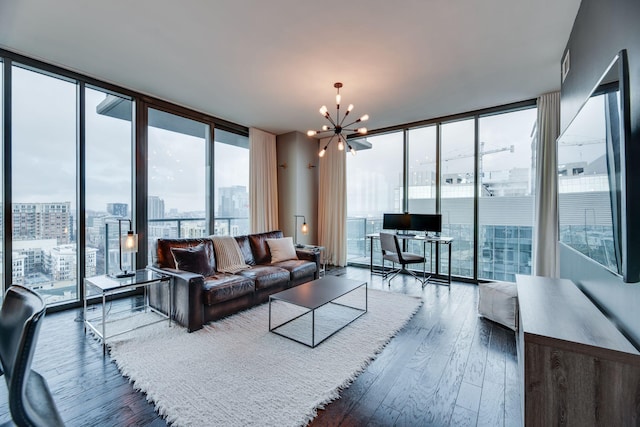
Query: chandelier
[(338, 126)]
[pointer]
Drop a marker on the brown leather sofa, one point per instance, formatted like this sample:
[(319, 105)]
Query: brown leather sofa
[(198, 299)]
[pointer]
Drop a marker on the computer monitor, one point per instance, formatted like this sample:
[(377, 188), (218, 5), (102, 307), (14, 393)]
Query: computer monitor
[(395, 221), (426, 222)]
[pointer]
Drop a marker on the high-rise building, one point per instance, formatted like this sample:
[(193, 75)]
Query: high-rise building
[(42, 221), (233, 202), (155, 206), (120, 210)]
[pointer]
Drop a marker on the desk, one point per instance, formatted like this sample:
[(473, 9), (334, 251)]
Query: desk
[(431, 240), (106, 285)]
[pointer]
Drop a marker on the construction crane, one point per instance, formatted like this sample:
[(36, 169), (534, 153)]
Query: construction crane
[(481, 153), (582, 142)]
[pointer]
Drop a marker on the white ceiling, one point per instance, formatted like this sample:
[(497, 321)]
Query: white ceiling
[(272, 63)]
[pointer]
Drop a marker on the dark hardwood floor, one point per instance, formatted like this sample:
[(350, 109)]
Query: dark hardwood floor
[(446, 367)]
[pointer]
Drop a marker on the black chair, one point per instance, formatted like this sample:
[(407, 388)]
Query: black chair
[(391, 252), (30, 401)]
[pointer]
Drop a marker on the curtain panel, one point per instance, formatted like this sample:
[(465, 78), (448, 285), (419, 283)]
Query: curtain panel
[(545, 242), (332, 204), (263, 181)]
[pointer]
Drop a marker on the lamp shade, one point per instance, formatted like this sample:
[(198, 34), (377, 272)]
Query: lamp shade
[(129, 242)]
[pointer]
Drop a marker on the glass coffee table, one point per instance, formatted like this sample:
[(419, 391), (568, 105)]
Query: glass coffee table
[(333, 296)]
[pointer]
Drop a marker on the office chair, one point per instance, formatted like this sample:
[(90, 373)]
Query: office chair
[(391, 252), (30, 401)]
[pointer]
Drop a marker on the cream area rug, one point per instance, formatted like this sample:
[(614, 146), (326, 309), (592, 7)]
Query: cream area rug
[(234, 372)]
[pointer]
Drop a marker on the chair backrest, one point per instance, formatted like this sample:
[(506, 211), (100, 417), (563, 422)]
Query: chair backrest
[(389, 244), (20, 317)]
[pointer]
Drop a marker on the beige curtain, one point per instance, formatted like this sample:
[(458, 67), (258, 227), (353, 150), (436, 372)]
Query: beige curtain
[(545, 242), (332, 204), (263, 181)]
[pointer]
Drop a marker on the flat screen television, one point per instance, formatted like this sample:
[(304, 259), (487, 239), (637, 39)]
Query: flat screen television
[(598, 201), (396, 221), (426, 222)]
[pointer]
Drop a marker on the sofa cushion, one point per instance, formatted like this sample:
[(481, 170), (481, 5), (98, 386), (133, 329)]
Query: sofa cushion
[(165, 257), (259, 245), (266, 276), (245, 248), (193, 259), (297, 268), (223, 287), (281, 249)]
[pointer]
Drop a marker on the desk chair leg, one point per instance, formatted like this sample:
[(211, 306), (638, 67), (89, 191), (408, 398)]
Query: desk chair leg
[(393, 273), (424, 274)]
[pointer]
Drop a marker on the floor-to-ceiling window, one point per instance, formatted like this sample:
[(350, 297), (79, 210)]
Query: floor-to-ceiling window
[(44, 210), (421, 173), (177, 182), (374, 187), (506, 165), (440, 177), (108, 179), (457, 182), (421, 176), (231, 194), (72, 143)]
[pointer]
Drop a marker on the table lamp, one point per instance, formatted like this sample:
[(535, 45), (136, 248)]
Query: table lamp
[(128, 243)]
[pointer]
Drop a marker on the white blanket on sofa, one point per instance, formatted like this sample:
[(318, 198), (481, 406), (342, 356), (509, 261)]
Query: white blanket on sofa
[(229, 258)]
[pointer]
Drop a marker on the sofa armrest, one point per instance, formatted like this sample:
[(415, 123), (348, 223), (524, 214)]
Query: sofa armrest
[(310, 255), (187, 297)]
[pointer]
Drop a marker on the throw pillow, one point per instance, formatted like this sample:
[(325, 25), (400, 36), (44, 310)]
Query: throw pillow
[(229, 258), (193, 259), (281, 249)]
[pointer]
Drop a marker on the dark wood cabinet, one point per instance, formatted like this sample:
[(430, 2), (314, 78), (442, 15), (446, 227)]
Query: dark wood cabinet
[(576, 367)]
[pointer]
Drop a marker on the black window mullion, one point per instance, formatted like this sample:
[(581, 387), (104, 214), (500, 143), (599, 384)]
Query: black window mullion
[(81, 186), (6, 168)]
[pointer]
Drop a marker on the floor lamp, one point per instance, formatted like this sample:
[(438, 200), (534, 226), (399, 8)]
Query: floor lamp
[(304, 229)]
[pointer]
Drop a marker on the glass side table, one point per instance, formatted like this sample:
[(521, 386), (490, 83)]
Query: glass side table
[(105, 285)]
